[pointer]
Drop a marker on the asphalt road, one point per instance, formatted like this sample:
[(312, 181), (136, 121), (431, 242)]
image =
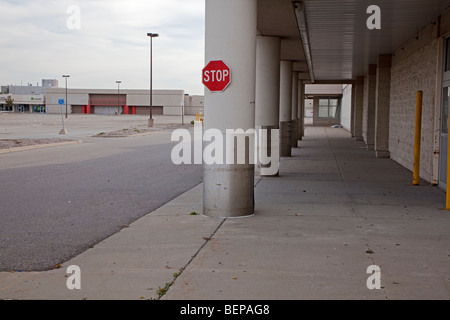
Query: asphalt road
[(55, 203)]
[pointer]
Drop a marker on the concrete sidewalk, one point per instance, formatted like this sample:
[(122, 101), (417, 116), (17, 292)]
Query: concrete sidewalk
[(334, 211)]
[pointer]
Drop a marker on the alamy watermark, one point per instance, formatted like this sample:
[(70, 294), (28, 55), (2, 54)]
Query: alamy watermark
[(74, 280), (73, 22), (234, 146), (374, 280), (374, 21)]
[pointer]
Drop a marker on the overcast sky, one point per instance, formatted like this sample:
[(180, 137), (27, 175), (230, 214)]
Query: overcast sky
[(101, 41)]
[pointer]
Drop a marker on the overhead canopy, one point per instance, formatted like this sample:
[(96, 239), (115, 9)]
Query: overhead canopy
[(334, 36)]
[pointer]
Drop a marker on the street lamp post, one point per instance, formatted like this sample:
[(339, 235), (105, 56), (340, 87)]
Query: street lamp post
[(66, 76), (118, 96), (150, 121)]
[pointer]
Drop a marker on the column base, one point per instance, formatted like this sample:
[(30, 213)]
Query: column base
[(63, 131), (294, 134), (228, 190), (150, 122), (382, 154), (285, 139)]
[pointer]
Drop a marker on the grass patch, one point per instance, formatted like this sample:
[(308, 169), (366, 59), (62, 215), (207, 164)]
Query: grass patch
[(162, 291)]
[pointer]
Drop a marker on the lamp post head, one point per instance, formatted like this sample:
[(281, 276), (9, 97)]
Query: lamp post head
[(66, 76), (153, 35)]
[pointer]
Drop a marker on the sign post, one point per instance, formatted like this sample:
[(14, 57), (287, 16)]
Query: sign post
[(61, 103)]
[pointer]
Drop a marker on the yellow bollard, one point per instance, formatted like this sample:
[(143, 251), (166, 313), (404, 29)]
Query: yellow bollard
[(417, 138)]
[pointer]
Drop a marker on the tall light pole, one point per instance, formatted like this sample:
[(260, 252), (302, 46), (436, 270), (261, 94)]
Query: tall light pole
[(66, 76), (118, 96), (151, 35)]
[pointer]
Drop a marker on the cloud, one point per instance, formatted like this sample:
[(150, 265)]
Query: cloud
[(110, 43)]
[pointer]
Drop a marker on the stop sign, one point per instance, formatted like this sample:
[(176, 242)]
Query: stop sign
[(216, 76)]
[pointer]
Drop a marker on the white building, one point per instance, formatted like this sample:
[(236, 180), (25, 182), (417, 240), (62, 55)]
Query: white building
[(101, 101), (51, 99)]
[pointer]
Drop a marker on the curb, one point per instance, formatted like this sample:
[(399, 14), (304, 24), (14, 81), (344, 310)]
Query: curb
[(129, 136), (40, 146)]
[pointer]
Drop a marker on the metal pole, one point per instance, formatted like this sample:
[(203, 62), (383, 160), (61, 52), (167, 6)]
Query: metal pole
[(417, 138), (62, 119), (151, 76), (118, 96), (66, 97), (63, 130), (151, 35)]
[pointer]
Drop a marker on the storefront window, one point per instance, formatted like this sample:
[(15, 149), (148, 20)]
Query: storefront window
[(329, 108)]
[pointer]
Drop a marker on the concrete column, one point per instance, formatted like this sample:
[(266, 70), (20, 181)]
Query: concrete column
[(369, 107), (267, 98), (301, 109), (285, 107), (230, 35), (359, 107), (294, 110), (352, 112), (382, 103)]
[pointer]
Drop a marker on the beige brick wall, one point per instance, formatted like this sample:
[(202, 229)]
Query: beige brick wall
[(410, 73)]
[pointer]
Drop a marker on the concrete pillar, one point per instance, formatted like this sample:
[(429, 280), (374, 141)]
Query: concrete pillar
[(369, 107), (352, 112), (382, 103), (301, 109), (230, 35), (359, 107), (285, 107), (294, 111), (267, 98)]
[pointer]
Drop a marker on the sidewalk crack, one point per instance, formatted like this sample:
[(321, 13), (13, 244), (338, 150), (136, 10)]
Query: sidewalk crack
[(162, 291), (369, 250)]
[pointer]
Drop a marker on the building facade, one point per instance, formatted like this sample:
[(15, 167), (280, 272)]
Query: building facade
[(52, 100)]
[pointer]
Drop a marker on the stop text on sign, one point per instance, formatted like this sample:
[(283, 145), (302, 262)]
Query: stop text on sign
[(216, 76)]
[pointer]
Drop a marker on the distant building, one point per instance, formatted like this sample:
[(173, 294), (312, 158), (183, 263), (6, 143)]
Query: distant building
[(49, 98), (27, 98), (23, 103), (127, 101)]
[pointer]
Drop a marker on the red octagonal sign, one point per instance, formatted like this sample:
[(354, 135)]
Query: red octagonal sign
[(216, 76)]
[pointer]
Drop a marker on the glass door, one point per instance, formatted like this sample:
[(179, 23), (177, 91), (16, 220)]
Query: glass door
[(444, 118)]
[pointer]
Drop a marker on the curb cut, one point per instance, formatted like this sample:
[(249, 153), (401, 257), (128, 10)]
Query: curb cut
[(40, 146)]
